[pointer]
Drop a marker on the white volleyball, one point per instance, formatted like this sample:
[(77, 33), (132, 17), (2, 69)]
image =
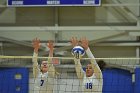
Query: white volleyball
[(78, 51)]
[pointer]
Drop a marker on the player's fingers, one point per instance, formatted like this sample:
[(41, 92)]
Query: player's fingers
[(33, 40), (76, 39), (72, 39), (36, 39), (39, 40)]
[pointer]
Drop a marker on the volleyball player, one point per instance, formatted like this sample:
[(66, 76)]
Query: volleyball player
[(91, 80), (45, 72)]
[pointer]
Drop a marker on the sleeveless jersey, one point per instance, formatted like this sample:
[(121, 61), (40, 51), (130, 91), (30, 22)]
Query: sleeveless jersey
[(43, 83), (91, 84)]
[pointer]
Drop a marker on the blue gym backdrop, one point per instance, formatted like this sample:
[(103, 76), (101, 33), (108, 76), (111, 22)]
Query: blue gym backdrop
[(115, 81)]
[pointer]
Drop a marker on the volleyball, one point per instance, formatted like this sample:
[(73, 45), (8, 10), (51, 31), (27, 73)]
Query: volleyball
[(78, 51)]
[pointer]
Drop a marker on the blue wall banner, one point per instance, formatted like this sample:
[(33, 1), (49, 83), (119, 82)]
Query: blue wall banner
[(137, 81), (14, 80), (117, 81)]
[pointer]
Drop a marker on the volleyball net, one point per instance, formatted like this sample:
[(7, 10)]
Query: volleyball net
[(117, 75)]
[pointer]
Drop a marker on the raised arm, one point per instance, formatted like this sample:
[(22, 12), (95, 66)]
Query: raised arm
[(51, 70), (36, 45), (78, 66), (97, 70), (50, 46)]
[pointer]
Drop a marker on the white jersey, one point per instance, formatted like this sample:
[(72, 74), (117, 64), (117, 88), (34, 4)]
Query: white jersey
[(43, 83), (91, 84)]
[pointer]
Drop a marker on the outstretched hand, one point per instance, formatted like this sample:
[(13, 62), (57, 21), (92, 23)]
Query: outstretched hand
[(84, 43), (36, 44), (74, 41), (50, 45)]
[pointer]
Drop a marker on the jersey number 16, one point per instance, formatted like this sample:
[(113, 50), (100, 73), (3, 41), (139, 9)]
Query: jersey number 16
[(88, 85)]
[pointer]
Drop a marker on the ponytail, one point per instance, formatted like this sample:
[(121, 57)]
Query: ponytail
[(101, 64)]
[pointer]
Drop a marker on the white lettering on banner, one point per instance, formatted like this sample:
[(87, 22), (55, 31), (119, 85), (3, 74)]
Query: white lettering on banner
[(55, 2), (89, 1), (17, 2)]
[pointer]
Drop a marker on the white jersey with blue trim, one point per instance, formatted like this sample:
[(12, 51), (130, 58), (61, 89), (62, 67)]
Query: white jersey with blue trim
[(43, 83), (91, 84)]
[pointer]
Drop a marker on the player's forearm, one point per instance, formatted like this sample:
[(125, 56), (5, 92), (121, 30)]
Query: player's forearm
[(50, 57), (51, 53), (95, 66), (35, 71), (35, 64), (34, 59), (51, 67), (79, 69), (50, 64), (90, 55)]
